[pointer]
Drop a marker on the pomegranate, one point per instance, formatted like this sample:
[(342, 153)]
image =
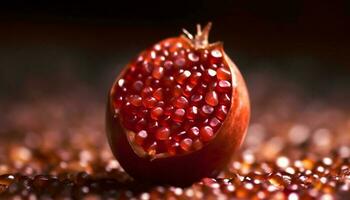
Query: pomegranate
[(178, 111)]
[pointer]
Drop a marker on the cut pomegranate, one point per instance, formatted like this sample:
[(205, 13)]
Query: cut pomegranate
[(178, 111)]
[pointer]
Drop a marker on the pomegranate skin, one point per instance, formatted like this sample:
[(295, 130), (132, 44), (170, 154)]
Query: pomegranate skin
[(184, 169)]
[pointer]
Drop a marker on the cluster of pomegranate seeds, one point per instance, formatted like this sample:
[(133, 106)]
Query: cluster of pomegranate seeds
[(174, 97)]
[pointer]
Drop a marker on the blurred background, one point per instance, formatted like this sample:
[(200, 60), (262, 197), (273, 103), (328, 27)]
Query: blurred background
[(47, 48)]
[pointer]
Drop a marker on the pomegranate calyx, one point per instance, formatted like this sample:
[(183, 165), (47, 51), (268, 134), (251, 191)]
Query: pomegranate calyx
[(200, 40)]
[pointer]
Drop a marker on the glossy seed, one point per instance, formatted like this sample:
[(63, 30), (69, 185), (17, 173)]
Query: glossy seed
[(141, 124), (158, 94), (193, 57), (179, 62), (216, 53), (169, 110), (179, 115), (194, 78), (162, 133), (140, 137), (221, 112), (181, 102), (223, 74), (211, 98), (181, 78), (196, 98), (146, 92), (158, 72), (149, 102), (194, 132), (177, 90), (215, 123), (191, 112), (210, 75), (225, 99), (207, 110), (223, 86), (186, 144), (135, 100), (137, 86), (156, 113), (206, 133), (168, 64)]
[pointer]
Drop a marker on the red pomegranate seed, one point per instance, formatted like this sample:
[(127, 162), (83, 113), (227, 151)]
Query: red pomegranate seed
[(223, 86), (178, 115), (140, 137), (215, 123), (225, 99), (118, 102), (221, 112), (149, 102), (121, 82), (141, 124), (169, 110), (181, 78), (207, 110), (160, 104), (181, 102), (186, 144), (168, 64), (216, 53), (153, 55), (176, 126), (158, 60), (209, 75), (158, 72), (155, 83), (193, 57), (146, 92), (137, 86), (223, 74), (194, 78), (188, 90), (172, 147), (196, 98), (162, 133), (178, 137), (146, 68), (193, 132), (177, 90), (197, 144), (206, 133), (135, 100), (156, 113), (211, 98), (165, 121), (152, 126), (168, 81), (179, 62), (188, 124), (214, 66), (158, 94), (191, 112)]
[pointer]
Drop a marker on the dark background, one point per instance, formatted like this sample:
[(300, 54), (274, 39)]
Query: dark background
[(48, 48)]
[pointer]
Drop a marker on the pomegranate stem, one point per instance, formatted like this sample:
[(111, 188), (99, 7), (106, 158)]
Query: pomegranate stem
[(200, 40)]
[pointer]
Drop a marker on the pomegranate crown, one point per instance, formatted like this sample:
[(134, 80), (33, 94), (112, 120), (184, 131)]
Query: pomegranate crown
[(200, 40)]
